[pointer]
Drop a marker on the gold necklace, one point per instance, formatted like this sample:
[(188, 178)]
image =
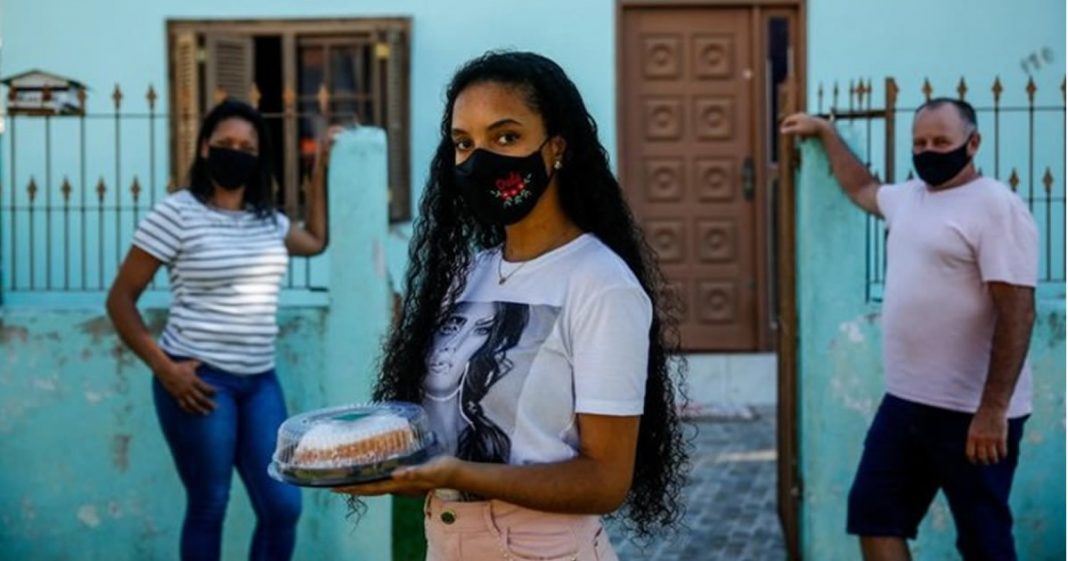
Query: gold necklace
[(503, 278)]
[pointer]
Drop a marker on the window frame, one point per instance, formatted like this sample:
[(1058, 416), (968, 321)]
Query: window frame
[(388, 35)]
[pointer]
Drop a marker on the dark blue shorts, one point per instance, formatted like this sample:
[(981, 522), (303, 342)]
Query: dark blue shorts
[(912, 451)]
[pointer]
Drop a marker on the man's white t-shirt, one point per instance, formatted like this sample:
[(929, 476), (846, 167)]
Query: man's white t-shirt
[(514, 362), (943, 247)]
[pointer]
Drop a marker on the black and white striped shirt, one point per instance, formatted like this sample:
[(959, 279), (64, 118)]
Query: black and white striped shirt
[(225, 270)]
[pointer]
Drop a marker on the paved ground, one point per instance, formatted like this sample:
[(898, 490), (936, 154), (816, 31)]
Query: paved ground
[(731, 512)]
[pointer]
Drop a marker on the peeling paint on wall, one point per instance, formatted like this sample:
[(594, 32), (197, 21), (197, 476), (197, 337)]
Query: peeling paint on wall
[(12, 333), (45, 384), (28, 511), (851, 331), (1055, 322), (97, 329), (841, 384), (120, 451), (114, 510), (852, 396), (88, 516), (95, 397), (379, 257), (73, 400)]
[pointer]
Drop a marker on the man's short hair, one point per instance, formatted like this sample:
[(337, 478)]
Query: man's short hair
[(964, 109)]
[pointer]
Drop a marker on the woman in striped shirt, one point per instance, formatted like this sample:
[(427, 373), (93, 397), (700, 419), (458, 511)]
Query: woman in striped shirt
[(226, 250)]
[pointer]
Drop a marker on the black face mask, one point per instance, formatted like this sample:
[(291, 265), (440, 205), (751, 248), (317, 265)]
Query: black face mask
[(502, 190), (936, 168), (230, 169)]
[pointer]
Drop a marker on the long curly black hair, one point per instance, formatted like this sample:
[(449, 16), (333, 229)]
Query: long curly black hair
[(447, 235)]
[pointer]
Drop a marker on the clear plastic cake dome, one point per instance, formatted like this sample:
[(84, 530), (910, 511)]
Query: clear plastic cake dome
[(351, 444)]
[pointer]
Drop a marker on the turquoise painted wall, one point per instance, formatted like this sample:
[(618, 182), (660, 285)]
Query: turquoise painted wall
[(945, 41), (84, 471), (841, 383), (580, 36), (907, 39), (942, 40)]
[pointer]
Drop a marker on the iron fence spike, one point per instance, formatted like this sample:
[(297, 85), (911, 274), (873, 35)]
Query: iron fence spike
[(1014, 179)]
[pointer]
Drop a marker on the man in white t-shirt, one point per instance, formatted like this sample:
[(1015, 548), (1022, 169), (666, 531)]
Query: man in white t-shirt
[(962, 263)]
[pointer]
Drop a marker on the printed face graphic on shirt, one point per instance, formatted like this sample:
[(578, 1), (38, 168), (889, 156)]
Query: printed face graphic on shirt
[(462, 334), (481, 358)]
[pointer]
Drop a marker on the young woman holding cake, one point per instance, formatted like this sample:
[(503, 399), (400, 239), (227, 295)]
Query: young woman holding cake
[(533, 312), (218, 401)]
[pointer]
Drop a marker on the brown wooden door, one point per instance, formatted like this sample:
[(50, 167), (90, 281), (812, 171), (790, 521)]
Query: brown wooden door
[(687, 163)]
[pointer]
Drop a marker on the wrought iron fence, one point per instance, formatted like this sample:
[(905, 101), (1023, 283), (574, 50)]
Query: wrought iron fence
[(1026, 150), (73, 189)]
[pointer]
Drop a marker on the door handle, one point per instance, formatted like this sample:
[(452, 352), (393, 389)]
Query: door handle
[(748, 179)]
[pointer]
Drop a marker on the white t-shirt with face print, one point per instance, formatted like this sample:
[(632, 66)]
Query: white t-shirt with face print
[(514, 362)]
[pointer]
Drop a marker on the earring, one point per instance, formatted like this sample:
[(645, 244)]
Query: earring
[(558, 165)]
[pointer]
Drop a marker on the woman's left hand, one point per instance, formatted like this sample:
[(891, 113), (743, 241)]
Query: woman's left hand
[(436, 474), (326, 143)]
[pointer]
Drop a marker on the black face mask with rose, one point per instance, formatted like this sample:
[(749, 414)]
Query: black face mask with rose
[(502, 190)]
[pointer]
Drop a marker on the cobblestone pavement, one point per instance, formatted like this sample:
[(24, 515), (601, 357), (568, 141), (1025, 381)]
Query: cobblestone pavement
[(731, 506)]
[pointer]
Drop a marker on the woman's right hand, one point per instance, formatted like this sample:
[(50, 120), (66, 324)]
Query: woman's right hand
[(191, 393)]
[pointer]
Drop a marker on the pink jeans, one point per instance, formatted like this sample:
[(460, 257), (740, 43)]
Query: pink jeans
[(495, 530)]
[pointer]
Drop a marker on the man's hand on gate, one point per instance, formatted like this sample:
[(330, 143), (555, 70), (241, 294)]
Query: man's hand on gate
[(988, 437), (804, 124)]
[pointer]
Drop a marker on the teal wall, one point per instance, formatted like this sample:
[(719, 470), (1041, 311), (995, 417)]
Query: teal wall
[(84, 471), (945, 41), (578, 35), (840, 383), (908, 39)]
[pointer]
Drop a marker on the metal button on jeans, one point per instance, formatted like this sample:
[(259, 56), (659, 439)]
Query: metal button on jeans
[(448, 517)]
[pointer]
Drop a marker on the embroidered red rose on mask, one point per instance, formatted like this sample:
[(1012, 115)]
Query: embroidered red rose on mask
[(510, 186)]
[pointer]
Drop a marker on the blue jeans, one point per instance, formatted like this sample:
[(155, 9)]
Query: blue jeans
[(241, 432)]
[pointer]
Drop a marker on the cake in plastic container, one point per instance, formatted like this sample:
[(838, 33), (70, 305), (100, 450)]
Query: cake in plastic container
[(351, 444)]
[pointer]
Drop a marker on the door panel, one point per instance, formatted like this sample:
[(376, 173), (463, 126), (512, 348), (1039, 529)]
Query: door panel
[(687, 163)]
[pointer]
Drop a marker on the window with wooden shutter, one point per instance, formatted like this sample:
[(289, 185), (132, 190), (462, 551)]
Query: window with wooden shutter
[(228, 67), (396, 125), (303, 75), (185, 105)]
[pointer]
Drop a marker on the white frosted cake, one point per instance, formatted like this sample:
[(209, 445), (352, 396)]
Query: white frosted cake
[(341, 443)]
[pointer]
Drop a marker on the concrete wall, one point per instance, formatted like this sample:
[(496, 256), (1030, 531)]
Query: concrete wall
[(84, 471), (841, 382)]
